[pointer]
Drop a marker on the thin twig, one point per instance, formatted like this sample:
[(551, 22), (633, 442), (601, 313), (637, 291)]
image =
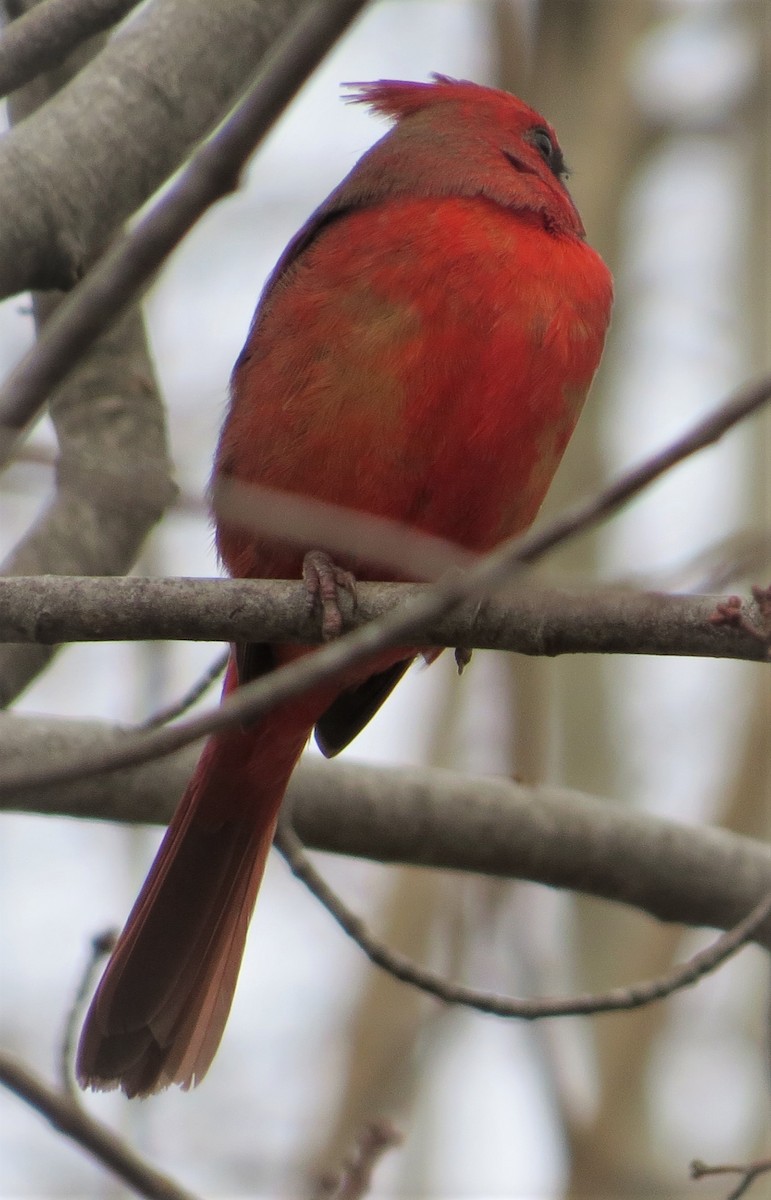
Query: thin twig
[(102, 944), (124, 273), (43, 37), (354, 1180), (405, 625), (402, 551), (749, 1173), (71, 1120), (615, 1000), (744, 554), (191, 696)]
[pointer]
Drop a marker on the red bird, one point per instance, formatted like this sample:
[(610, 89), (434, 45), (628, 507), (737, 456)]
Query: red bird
[(421, 352)]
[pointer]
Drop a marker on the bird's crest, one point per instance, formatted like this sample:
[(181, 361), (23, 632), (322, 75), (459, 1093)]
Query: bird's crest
[(398, 98)]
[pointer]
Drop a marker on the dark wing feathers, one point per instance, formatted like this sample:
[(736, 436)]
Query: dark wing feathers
[(350, 712)]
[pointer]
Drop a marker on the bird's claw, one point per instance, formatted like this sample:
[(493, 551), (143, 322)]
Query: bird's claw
[(324, 581)]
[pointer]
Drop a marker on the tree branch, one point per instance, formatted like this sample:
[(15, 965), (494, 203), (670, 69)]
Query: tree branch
[(529, 620), (749, 1172), (110, 424), (617, 999), (113, 479), (123, 273), (199, 688), (403, 626), (102, 945), (143, 102), (43, 38), (677, 873), (353, 1181), (71, 1120)]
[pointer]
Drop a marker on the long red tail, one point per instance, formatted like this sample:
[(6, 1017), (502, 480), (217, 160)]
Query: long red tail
[(159, 1012)]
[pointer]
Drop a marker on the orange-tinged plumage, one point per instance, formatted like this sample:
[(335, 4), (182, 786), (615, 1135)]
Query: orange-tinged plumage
[(421, 352)]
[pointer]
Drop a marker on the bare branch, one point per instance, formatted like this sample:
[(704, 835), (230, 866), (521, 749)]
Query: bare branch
[(676, 873), (620, 999), (403, 626), (529, 620), (42, 38), (170, 713), (71, 1120), (123, 274), (102, 944), (146, 99), (745, 554), (399, 549), (354, 1180), (748, 1172), (113, 479)]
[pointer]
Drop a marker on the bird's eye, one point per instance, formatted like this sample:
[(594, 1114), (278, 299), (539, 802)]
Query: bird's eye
[(548, 149), (542, 143)]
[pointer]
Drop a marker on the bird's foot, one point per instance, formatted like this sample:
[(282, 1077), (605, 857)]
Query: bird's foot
[(324, 581)]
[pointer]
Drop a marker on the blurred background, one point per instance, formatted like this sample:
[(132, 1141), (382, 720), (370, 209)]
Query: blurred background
[(663, 108)]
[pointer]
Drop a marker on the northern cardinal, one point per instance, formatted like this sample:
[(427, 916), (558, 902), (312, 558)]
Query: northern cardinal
[(421, 352)]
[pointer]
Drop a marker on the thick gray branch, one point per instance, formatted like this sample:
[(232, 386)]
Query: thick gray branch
[(113, 479), (405, 625), (94, 153), (113, 471), (543, 621), (123, 273), (431, 818), (41, 39)]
